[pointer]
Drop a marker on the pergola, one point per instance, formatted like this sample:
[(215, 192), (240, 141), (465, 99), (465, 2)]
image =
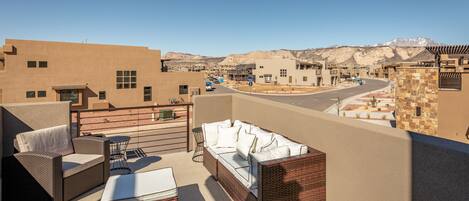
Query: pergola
[(447, 49)]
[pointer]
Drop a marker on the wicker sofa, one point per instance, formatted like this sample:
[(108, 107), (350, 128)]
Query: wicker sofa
[(51, 165), (298, 177)]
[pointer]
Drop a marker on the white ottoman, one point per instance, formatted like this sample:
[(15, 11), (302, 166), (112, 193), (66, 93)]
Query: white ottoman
[(152, 185)]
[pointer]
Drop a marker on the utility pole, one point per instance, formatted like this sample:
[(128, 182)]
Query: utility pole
[(338, 106)]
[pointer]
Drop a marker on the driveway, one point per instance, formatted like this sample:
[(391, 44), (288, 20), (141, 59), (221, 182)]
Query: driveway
[(319, 101)]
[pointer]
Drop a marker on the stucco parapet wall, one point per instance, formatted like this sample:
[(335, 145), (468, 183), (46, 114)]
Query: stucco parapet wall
[(6, 105), (392, 132), (416, 67)]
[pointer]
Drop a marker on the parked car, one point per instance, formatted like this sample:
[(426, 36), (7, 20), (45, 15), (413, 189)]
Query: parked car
[(209, 86)]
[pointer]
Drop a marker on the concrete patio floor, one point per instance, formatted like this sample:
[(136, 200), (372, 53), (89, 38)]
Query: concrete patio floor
[(193, 180)]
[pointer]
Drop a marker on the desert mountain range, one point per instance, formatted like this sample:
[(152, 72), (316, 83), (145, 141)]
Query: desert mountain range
[(394, 51)]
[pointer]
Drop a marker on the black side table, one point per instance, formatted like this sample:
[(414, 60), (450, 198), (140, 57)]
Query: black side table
[(118, 145), (199, 149)]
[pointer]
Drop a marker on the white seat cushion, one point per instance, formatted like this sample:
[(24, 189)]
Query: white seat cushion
[(295, 148), (227, 137), (215, 151), (210, 131), (75, 163), (54, 139), (153, 185), (233, 159), (239, 171)]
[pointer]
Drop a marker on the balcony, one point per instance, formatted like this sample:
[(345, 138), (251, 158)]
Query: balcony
[(364, 161)]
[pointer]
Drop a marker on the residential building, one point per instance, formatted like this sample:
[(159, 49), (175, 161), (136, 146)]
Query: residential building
[(433, 100), (241, 72), (293, 72), (90, 75)]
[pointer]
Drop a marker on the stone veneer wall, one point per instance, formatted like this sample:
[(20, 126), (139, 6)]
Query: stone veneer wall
[(417, 87)]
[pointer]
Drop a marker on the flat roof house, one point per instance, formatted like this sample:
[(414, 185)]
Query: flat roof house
[(293, 72), (90, 75)]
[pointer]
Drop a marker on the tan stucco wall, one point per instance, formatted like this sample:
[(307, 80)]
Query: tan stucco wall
[(211, 108), (88, 64), (24, 117), (273, 66), (364, 161), (453, 112)]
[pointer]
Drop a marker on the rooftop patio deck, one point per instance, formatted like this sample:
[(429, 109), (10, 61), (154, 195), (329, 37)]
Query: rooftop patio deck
[(364, 161), (193, 180)]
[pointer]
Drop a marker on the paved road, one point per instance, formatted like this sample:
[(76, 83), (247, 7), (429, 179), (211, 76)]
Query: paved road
[(320, 101)]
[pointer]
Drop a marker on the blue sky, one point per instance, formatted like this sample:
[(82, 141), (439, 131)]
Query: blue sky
[(222, 27)]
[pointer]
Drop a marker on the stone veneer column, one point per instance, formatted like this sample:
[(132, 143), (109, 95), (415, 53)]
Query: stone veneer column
[(417, 87)]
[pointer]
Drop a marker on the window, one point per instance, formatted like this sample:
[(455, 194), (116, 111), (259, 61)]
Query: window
[(183, 89), (260, 76), (70, 95), (126, 79), (418, 111), (32, 64), (42, 64), (261, 66), (146, 93), (30, 94), (305, 78), (102, 95), (41, 94), (283, 72)]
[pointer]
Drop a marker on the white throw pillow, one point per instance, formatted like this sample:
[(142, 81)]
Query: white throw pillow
[(210, 131), (227, 137), (54, 139), (245, 126), (273, 144), (245, 144), (263, 138), (295, 148)]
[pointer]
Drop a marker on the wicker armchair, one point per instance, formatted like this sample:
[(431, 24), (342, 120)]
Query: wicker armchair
[(52, 176)]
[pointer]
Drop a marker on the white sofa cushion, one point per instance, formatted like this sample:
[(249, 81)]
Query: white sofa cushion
[(255, 158), (244, 126), (210, 131), (295, 148), (54, 139), (263, 138), (227, 137), (233, 160), (75, 163), (245, 144), (238, 167), (152, 185), (216, 151)]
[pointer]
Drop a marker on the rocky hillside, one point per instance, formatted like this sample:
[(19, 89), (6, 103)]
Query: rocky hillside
[(395, 51)]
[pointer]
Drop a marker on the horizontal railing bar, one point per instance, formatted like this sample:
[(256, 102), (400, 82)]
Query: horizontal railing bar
[(133, 107), (131, 114), (110, 128), (117, 121), (148, 130), (184, 147), (158, 140)]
